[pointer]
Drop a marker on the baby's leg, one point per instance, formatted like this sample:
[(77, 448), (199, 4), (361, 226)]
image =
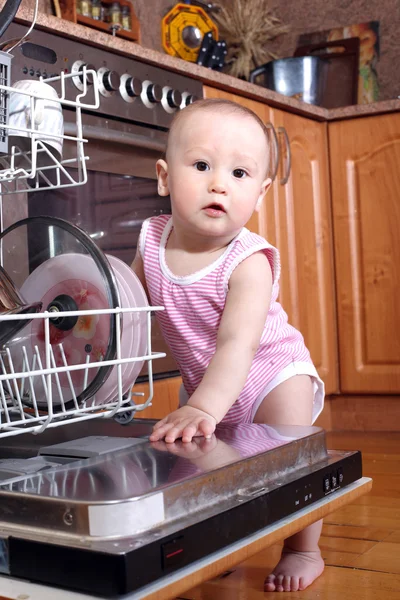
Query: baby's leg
[(290, 403)]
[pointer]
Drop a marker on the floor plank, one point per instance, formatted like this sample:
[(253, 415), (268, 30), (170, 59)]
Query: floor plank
[(394, 537), (384, 557), (359, 533)]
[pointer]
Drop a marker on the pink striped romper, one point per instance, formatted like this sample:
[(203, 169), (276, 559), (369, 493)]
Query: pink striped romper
[(193, 309)]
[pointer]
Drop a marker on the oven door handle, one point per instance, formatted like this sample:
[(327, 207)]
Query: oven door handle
[(91, 132)]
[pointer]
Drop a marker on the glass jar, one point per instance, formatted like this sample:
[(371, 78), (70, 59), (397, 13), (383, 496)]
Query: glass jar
[(115, 13), (105, 13), (96, 10), (126, 18), (86, 8)]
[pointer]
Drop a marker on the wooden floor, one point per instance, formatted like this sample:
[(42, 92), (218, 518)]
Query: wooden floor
[(360, 543)]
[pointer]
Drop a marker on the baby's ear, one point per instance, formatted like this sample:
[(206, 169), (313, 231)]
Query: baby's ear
[(162, 177), (266, 184)]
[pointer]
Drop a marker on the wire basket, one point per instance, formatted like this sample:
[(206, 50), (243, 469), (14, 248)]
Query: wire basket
[(37, 165), (20, 409)]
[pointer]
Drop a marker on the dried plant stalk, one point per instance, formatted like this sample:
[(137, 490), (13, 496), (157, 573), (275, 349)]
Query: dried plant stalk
[(247, 26)]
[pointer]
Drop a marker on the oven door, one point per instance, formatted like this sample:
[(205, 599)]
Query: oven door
[(120, 193)]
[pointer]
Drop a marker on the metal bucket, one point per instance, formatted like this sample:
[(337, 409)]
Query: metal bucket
[(301, 77)]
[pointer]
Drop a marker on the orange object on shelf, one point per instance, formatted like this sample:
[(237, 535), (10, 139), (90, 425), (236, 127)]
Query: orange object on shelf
[(183, 29), (68, 12)]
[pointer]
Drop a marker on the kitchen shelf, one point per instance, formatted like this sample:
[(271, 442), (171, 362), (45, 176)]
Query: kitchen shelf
[(68, 12)]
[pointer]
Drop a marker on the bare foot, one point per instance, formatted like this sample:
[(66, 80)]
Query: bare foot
[(295, 571)]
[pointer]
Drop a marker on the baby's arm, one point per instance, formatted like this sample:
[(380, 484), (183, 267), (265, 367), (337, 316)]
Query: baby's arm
[(238, 338)]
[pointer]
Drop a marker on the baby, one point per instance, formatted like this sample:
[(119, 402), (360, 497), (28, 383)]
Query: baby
[(240, 360)]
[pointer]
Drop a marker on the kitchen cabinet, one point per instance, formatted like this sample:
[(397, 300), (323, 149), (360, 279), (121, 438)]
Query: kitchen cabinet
[(296, 217), (165, 397), (298, 222), (365, 158)]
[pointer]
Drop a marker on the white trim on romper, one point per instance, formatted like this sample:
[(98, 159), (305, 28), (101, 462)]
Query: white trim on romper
[(197, 275), (291, 370)]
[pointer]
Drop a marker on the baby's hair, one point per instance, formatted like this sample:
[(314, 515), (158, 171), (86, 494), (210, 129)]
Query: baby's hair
[(218, 105)]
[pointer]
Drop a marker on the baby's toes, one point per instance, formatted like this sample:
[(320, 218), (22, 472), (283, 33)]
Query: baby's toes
[(287, 583), (269, 583), (274, 583), (294, 584)]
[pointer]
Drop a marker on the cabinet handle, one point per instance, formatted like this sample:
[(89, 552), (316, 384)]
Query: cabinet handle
[(285, 178), (275, 153)]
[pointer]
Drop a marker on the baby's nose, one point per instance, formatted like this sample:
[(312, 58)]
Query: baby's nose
[(218, 185)]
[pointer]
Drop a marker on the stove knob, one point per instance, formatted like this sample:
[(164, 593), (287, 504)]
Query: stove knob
[(190, 99), (133, 87), (154, 92), (89, 76), (174, 98), (110, 81)]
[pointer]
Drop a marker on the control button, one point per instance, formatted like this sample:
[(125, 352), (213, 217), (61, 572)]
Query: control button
[(31, 71), (89, 76), (326, 484), (45, 76), (81, 76), (111, 81), (38, 73), (25, 70), (154, 92), (340, 475), (190, 98), (173, 553), (174, 98), (334, 480), (133, 87)]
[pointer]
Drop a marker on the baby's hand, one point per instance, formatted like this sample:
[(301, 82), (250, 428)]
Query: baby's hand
[(187, 422)]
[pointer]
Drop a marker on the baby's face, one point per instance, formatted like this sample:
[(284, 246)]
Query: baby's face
[(215, 171)]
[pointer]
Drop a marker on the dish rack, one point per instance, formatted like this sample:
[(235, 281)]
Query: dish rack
[(15, 178), (16, 417)]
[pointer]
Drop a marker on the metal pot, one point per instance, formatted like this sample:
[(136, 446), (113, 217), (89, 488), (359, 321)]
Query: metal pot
[(301, 77), (11, 303)]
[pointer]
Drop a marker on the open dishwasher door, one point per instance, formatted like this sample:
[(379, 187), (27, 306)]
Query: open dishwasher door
[(105, 512)]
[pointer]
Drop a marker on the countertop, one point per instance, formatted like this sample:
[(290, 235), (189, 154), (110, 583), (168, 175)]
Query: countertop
[(207, 76)]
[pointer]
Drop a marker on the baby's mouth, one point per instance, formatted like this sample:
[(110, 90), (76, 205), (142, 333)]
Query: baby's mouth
[(215, 207)]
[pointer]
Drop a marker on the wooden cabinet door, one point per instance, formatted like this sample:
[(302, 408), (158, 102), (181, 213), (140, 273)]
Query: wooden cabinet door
[(298, 223), (365, 159), (165, 398)]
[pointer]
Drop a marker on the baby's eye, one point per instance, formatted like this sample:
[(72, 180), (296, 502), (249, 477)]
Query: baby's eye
[(201, 165), (239, 173)]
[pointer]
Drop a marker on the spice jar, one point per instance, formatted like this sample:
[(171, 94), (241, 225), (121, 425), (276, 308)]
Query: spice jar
[(105, 13), (86, 8), (126, 18), (96, 10), (115, 13)]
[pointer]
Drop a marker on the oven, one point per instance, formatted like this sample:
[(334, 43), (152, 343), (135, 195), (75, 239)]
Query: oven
[(126, 135)]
